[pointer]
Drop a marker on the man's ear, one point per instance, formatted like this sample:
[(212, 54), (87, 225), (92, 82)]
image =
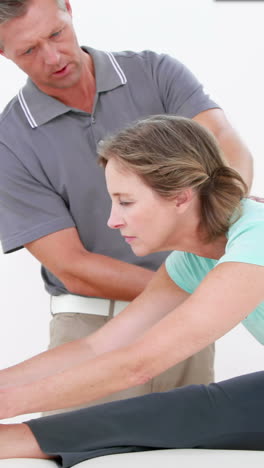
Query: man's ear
[(2, 48), (68, 7), (2, 52)]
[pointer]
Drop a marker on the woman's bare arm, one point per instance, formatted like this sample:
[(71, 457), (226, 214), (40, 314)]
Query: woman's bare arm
[(226, 296), (159, 298)]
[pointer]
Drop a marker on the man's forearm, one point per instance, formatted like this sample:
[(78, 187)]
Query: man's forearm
[(236, 152), (232, 146), (100, 276), (86, 273)]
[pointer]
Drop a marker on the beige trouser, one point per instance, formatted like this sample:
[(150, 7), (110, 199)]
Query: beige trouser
[(198, 369)]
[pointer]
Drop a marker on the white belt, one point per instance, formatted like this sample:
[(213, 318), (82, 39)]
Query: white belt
[(86, 305)]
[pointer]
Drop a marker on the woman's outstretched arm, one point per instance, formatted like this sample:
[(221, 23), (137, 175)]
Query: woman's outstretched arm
[(227, 295), (159, 298)]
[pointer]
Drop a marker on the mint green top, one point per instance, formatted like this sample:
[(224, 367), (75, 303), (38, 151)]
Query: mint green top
[(245, 244)]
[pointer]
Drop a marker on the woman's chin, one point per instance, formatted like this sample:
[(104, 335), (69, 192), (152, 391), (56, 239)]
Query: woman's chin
[(141, 251)]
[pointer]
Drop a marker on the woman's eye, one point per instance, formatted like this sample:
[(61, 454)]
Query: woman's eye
[(124, 203)]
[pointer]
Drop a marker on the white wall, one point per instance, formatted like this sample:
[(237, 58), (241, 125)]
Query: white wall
[(222, 43)]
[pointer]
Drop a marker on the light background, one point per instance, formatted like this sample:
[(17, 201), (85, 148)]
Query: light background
[(222, 43)]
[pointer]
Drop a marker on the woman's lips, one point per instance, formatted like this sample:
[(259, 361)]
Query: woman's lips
[(129, 239)]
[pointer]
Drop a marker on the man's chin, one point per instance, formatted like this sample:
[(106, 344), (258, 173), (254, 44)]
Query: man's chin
[(54, 83)]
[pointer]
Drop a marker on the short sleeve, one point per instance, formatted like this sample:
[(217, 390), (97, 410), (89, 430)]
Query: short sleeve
[(188, 270), (246, 246), (180, 91), (29, 209)]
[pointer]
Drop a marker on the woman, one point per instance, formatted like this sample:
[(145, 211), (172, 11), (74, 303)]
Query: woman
[(170, 190)]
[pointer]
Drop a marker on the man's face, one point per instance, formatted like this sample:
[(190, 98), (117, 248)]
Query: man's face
[(43, 44)]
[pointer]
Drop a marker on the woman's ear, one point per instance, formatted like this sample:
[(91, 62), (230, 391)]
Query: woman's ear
[(183, 199)]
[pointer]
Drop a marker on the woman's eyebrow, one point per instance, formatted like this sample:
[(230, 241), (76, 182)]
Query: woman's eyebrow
[(117, 194)]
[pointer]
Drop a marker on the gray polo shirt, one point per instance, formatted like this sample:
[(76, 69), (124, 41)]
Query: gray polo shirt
[(49, 176)]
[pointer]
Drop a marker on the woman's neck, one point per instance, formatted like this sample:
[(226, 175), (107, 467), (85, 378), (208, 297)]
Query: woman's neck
[(194, 241), (214, 249), (190, 234)]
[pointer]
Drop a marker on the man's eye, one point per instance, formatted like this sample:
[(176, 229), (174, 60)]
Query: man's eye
[(29, 51), (56, 34)]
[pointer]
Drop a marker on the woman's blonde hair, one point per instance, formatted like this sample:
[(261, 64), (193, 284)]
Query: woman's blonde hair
[(172, 153)]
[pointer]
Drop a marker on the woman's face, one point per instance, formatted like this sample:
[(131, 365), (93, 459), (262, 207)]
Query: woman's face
[(145, 219)]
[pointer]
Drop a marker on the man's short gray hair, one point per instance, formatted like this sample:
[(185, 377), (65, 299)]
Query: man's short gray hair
[(14, 8)]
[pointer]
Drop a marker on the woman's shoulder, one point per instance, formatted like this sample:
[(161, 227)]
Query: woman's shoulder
[(246, 235), (252, 216), (252, 207)]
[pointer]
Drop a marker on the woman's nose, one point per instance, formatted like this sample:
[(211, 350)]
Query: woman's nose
[(114, 221)]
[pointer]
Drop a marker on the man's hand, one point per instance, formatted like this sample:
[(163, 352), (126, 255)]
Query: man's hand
[(235, 151), (257, 199)]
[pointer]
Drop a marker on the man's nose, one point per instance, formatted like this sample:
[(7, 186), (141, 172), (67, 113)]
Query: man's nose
[(51, 54)]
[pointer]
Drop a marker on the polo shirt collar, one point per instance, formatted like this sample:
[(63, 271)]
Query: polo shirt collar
[(39, 108)]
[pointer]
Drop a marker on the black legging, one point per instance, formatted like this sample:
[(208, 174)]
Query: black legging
[(225, 415)]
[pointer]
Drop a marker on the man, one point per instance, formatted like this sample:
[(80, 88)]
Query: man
[(53, 199)]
